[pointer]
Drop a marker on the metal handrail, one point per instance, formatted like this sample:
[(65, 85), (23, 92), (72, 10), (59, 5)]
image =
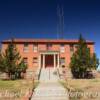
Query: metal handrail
[(39, 73), (49, 73), (58, 72)]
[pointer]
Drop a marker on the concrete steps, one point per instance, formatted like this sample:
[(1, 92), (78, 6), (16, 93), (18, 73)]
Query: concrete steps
[(49, 74), (44, 75)]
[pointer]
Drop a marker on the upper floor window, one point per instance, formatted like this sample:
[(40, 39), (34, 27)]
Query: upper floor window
[(49, 46), (62, 48), (25, 61), (76, 46), (71, 49), (26, 47), (88, 49), (35, 47)]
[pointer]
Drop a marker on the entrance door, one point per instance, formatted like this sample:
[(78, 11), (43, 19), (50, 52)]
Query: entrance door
[(49, 61)]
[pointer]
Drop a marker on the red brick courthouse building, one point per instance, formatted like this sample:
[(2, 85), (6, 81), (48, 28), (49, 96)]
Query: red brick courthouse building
[(46, 53)]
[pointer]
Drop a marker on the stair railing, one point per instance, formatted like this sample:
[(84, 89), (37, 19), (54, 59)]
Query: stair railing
[(58, 72), (39, 73), (49, 73)]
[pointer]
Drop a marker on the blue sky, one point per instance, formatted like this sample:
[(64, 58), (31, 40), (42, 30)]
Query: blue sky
[(38, 19)]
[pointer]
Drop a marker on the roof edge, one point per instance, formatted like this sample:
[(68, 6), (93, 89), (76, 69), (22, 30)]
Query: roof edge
[(45, 41)]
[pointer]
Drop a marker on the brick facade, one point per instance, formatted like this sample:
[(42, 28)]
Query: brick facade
[(33, 51)]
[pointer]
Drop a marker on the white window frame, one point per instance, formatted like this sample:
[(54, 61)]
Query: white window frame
[(62, 60), (25, 62), (35, 47), (62, 48), (35, 60), (49, 46), (26, 49)]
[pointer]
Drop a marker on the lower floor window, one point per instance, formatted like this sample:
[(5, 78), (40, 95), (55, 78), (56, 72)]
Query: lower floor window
[(25, 61), (35, 60), (62, 60)]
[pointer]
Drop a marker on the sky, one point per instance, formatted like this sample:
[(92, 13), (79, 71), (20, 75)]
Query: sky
[(38, 19)]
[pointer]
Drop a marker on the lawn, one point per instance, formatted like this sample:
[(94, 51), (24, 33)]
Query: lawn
[(83, 89), (15, 90)]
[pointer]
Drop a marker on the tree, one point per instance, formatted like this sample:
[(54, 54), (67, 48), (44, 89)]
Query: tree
[(11, 61), (1, 62), (94, 61), (82, 62), (21, 69)]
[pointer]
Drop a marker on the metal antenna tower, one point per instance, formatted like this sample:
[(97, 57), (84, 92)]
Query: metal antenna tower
[(60, 22)]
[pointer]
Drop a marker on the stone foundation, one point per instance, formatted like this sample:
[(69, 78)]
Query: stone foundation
[(30, 74)]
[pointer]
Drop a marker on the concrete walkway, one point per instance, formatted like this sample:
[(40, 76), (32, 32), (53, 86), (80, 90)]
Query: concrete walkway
[(49, 89)]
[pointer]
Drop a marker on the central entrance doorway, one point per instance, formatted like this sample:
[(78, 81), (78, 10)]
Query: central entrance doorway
[(49, 61)]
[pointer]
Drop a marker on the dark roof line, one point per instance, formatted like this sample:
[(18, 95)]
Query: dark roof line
[(45, 41)]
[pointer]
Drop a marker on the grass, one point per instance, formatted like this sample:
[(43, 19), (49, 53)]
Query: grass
[(89, 89), (15, 90)]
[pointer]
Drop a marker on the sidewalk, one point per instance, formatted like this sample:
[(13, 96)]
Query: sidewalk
[(49, 87), (50, 91)]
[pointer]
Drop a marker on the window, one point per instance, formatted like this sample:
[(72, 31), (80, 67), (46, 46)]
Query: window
[(35, 47), (76, 46), (25, 61), (49, 46), (35, 60), (62, 48), (26, 47), (71, 50), (62, 60), (88, 49)]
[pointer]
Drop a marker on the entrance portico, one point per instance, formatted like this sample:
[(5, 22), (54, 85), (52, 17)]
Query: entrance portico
[(49, 59)]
